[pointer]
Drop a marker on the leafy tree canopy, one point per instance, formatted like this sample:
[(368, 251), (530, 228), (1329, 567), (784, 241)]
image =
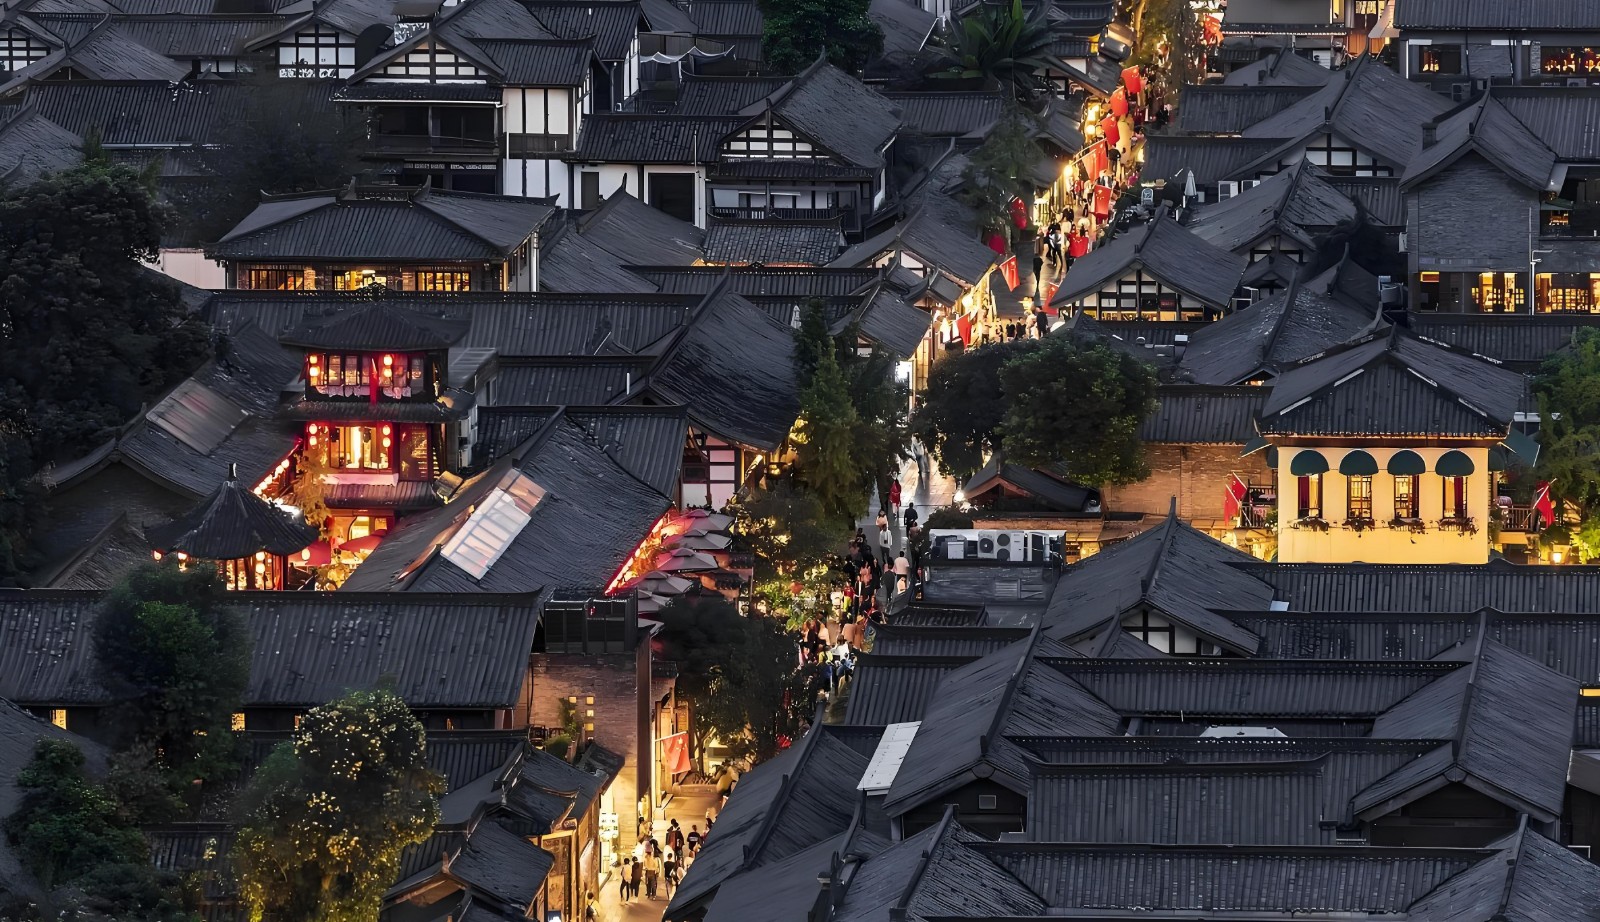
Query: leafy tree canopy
[(1000, 45), (87, 334), (327, 815), (961, 409), (179, 659), (1568, 388), (739, 673), (795, 32), (1081, 406), (997, 171), (67, 826)]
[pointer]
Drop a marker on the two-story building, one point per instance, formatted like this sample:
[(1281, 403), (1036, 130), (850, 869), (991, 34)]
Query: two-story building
[(1461, 48), (403, 239), (1160, 271), (1384, 451)]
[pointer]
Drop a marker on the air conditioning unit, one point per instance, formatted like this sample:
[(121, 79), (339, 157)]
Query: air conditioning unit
[(988, 544), (1227, 189), (1251, 183), (1011, 545)]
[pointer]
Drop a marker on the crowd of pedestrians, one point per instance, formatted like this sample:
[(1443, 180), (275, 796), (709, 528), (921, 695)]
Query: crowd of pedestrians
[(655, 868)]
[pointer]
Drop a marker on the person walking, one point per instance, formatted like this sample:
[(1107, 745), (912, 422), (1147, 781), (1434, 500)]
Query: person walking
[(636, 876), (625, 876), (591, 909), (1041, 321), (886, 543), (902, 572), (911, 517), (694, 839), (669, 869), (1038, 265), (1053, 242), (652, 868), (894, 496), (883, 517)]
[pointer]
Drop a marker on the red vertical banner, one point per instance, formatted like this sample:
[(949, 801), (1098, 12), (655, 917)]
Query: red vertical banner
[(1102, 202), (1119, 102), (675, 753), (1132, 80), (1109, 128), (1099, 162), (372, 382), (1008, 270), (1047, 294), (964, 327)]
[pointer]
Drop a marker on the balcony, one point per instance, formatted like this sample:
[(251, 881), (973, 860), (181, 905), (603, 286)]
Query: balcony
[(1560, 219), (1519, 519), (779, 214), (424, 145)]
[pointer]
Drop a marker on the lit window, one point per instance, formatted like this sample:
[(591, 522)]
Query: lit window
[(58, 716), (1405, 496), (237, 722), (493, 525), (1455, 497), (1309, 493), (1358, 497)]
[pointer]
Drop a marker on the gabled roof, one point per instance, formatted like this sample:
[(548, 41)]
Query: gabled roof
[(233, 524), (889, 688), (1487, 129), (1532, 879), (939, 230), (348, 16), (632, 137), (1174, 570), (1509, 721), (748, 243), (1367, 105), (1202, 414), (613, 23), (500, 864), (1557, 116), (590, 513), (157, 113), (933, 873), (180, 36), (1521, 341), (837, 111), (636, 234), (378, 325), (1295, 203), (906, 26), (1048, 491), (779, 809), (539, 62), (308, 647), (963, 733), (789, 886), (1308, 318), (32, 145), (1229, 109), (387, 224), (1211, 159), (570, 262), (733, 367), (1280, 68), (1458, 15), (1390, 384), (1165, 250), (105, 53)]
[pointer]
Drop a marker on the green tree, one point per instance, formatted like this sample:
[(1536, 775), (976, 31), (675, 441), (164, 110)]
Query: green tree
[(963, 405), (286, 137), (786, 529), (179, 660), (87, 334), (66, 825), (796, 32), (1170, 44), (737, 673), (1000, 45), (824, 436), (999, 172), (327, 815), (1568, 389), (1081, 407)]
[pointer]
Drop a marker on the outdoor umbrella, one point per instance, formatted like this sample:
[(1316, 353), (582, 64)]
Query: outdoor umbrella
[(363, 545), (684, 560), (316, 554), (651, 603)]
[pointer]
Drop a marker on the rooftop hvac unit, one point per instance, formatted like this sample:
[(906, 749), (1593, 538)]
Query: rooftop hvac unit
[(1011, 545), (987, 544), (1226, 189)]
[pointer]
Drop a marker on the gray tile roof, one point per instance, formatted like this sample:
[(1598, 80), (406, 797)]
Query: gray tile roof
[(573, 263), (891, 689), (1173, 569), (1181, 260), (1391, 383), (1211, 159), (628, 137), (1489, 130), (1532, 880), (1192, 414), (1557, 116), (906, 26), (930, 874), (839, 112), (636, 234), (232, 524), (773, 281), (156, 113), (1280, 68), (744, 243), (1308, 318), (1232, 879), (1421, 588), (539, 62), (1380, 195), (442, 652), (1520, 341), (1227, 109), (1367, 105), (778, 809), (409, 225), (32, 145), (924, 641), (703, 95), (1294, 203), (1457, 15), (501, 864), (594, 512), (887, 319), (1047, 491), (376, 325), (613, 23), (947, 115), (562, 381), (786, 889)]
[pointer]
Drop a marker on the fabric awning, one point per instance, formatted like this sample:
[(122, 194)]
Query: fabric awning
[(1406, 463), (1308, 462), (1454, 464), (1523, 446), (1255, 444), (1499, 458), (1272, 458), (1357, 464)]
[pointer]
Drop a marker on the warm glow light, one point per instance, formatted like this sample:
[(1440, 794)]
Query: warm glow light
[(387, 441), (631, 569), (388, 360), (156, 555), (312, 441), (1556, 556), (261, 555), (387, 430)]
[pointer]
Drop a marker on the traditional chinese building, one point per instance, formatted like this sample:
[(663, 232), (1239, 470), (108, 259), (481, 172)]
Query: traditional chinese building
[(253, 543)]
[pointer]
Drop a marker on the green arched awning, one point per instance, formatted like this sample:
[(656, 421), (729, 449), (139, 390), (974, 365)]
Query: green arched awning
[(1272, 459), (1308, 462), (1454, 464), (1499, 458), (1358, 464), (1407, 463)]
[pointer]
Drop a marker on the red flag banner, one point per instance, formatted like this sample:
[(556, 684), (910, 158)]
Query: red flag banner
[(1119, 102), (964, 327), (1133, 80), (1008, 269), (1099, 162), (1108, 127), (1048, 293), (1543, 508), (1102, 202), (675, 753), (1233, 501)]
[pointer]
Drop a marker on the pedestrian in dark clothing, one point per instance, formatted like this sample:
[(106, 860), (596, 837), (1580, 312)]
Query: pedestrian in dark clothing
[(911, 516), (626, 876), (694, 840), (1053, 242), (1038, 265), (1041, 320), (636, 877)]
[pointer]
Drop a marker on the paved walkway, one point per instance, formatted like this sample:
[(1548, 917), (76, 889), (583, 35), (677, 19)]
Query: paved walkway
[(687, 809), (1009, 304)]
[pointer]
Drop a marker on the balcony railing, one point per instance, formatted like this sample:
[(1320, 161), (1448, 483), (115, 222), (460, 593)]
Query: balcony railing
[(1519, 519), (780, 214), (433, 144)]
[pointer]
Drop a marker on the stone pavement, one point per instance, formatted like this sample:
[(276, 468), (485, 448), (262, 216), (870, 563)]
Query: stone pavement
[(688, 809)]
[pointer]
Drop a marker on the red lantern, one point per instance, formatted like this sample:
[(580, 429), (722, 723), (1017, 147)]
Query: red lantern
[(795, 587), (1119, 103), (997, 243), (1019, 213)]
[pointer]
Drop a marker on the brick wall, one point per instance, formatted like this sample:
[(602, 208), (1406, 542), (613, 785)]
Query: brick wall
[(1446, 220), (621, 717), (1196, 474)]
